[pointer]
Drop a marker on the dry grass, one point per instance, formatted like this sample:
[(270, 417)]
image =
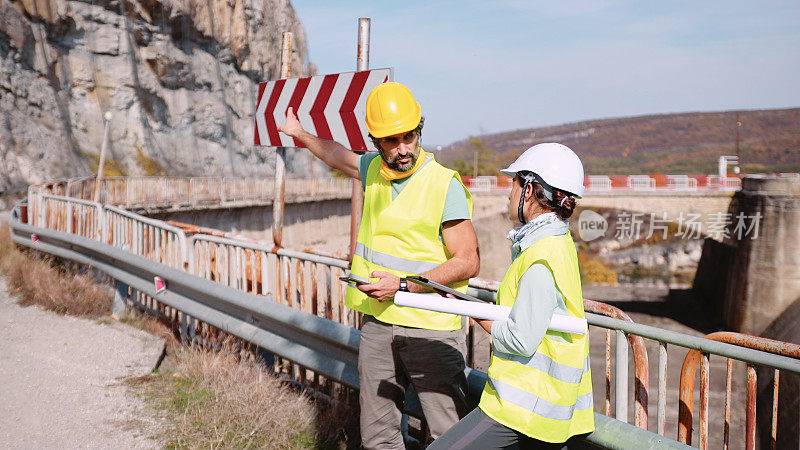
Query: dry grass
[(41, 281), (212, 399), (217, 400), (152, 325), (595, 270)]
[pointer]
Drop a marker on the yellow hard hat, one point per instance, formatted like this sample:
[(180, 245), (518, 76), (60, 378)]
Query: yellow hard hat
[(391, 109)]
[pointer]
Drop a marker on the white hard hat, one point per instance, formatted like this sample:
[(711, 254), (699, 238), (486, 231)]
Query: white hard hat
[(556, 164)]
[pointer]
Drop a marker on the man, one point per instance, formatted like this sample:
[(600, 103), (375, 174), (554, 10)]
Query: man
[(416, 220)]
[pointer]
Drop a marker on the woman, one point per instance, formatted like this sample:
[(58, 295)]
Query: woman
[(539, 388)]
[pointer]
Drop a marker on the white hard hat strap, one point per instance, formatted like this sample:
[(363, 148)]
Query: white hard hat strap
[(533, 176)]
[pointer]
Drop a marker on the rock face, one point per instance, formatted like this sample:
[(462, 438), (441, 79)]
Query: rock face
[(180, 78), (664, 258)]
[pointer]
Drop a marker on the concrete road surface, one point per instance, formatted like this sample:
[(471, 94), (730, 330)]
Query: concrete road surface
[(60, 380)]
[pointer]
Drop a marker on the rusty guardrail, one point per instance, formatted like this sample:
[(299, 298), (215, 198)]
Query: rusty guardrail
[(146, 237), (176, 192), (641, 390), (81, 217), (738, 349), (302, 280), (688, 372)]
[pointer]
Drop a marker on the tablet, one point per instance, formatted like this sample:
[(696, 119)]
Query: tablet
[(355, 279), (422, 281)]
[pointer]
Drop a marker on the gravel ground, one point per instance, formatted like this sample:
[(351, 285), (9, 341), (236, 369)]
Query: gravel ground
[(60, 380)]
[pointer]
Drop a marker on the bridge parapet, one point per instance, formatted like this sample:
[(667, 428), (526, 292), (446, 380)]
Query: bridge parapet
[(628, 183), (162, 194)]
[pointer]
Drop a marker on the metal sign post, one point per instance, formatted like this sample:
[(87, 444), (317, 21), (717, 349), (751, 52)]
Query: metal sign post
[(357, 197), (280, 157), (103, 151)]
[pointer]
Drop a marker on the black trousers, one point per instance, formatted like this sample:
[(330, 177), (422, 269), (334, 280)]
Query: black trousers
[(477, 431)]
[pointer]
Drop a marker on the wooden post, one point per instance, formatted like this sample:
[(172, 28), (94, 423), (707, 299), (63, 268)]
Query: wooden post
[(103, 151), (280, 157)]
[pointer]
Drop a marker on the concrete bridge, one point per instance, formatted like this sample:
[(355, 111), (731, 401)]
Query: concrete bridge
[(667, 198), (668, 205)]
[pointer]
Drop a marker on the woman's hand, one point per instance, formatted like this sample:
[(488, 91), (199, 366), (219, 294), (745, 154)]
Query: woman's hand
[(484, 323)]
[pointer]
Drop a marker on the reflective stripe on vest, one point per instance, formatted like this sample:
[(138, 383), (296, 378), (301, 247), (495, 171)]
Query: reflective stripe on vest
[(538, 405), (544, 363), (393, 262)]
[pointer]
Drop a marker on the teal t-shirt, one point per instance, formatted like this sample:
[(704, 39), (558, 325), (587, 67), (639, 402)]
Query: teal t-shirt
[(455, 204)]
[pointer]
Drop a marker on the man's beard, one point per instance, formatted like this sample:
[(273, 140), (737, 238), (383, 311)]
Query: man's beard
[(401, 167)]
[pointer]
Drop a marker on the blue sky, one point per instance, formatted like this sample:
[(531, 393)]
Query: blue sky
[(490, 66)]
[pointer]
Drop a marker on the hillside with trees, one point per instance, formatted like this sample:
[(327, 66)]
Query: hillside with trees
[(689, 143)]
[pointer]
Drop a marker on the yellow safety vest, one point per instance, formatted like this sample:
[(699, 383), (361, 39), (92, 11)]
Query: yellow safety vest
[(547, 396), (401, 236)]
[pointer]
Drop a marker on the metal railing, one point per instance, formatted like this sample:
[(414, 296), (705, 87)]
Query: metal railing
[(688, 372), (146, 237), (764, 355), (304, 281), (641, 183), (724, 183), (681, 183), (642, 380), (599, 183), (81, 217), (293, 279), (628, 183)]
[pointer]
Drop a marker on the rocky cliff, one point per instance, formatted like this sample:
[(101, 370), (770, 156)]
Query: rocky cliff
[(179, 78)]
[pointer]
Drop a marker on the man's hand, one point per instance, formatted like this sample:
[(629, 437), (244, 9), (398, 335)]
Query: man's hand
[(330, 152), (292, 126), (384, 289)]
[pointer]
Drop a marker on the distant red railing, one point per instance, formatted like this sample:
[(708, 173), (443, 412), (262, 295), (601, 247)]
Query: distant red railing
[(615, 183)]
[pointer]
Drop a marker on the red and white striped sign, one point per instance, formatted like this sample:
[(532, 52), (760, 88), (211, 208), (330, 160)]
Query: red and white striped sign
[(329, 106)]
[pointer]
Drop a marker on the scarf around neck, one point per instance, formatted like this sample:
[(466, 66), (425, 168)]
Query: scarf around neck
[(519, 234), (390, 174)]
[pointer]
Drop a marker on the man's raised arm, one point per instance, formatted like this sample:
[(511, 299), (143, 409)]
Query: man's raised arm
[(331, 153)]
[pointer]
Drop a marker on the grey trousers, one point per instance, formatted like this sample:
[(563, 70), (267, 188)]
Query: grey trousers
[(390, 358), (477, 431)]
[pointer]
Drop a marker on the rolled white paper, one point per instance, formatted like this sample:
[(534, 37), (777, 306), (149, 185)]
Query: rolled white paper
[(434, 302)]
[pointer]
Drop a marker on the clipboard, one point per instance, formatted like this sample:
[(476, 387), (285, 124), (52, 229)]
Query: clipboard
[(422, 281)]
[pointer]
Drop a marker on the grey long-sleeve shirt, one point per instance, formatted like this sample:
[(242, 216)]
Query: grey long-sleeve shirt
[(537, 300)]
